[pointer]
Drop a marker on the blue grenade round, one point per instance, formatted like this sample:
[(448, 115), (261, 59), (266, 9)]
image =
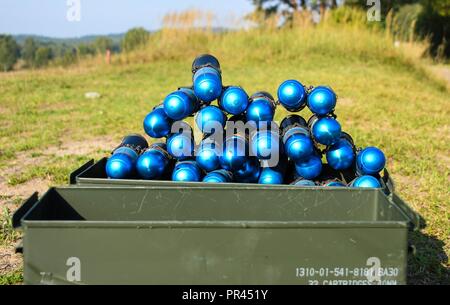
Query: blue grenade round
[(186, 171), (207, 155), (207, 78), (334, 184), (322, 100), (303, 182), (366, 181), (309, 168), (121, 164), (261, 108), (210, 119), (157, 124), (218, 176), (273, 174), (341, 155), (297, 141), (234, 100), (153, 163), (292, 95), (234, 152), (265, 143), (250, 171), (180, 145), (181, 104), (370, 161), (326, 130)]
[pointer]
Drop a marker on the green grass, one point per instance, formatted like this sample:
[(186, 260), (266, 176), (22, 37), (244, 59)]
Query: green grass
[(7, 232), (12, 278), (386, 99)]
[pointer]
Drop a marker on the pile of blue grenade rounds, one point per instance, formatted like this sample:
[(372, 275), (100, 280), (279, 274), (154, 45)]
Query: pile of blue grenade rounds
[(240, 156)]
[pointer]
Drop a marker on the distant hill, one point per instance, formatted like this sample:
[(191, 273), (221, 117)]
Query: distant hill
[(116, 38)]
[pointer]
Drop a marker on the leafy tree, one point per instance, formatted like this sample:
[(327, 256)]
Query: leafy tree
[(9, 52), (135, 38), (84, 49), (29, 51), (101, 44), (69, 57), (434, 23), (43, 56), (286, 7), (440, 7)]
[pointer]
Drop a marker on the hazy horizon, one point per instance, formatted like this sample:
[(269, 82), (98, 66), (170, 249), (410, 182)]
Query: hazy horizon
[(102, 17)]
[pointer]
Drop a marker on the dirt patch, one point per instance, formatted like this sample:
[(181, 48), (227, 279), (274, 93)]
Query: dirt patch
[(57, 105), (24, 160), (445, 159), (9, 260), (24, 189), (4, 111), (84, 147), (442, 72), (345, 102)]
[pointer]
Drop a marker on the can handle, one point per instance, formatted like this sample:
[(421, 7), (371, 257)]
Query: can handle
[(77, 172), (23, 209), (18, 248)]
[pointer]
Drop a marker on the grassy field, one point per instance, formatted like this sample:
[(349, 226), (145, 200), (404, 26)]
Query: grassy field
[(387, 98)]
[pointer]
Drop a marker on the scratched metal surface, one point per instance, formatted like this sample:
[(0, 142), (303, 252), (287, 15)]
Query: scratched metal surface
[(220, 204), (212, 235)]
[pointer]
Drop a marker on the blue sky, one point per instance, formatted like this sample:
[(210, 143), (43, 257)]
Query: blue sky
[(49, 17)]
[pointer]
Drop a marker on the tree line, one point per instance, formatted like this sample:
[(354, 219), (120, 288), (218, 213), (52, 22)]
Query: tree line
[(426, 19), (36, 54)]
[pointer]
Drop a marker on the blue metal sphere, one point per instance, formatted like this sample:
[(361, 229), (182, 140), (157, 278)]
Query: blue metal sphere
[(210, 118), (207, 155), (234, 153), (152, 164), (370, 161), (341, 155), (271, 175), (186, 171), (303, 182), (121, 164), (260, 110), (264, 144), (310, 168), (180, 104), (218, 176), (157, 124), (292, 95), (250, 171), (321, 100), (366, 181), (207, 84), (298, 145), (180, 145), (326, 131), (234, 100)]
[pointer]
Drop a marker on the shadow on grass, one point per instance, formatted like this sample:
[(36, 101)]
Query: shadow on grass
[(428, 263)]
